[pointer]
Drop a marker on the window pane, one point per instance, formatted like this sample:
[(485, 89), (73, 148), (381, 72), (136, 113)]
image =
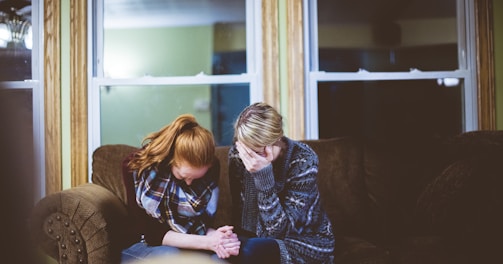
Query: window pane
[(383, 109), (15, 40), (129, 113), (17, 149), (387, 36), (172, 38)]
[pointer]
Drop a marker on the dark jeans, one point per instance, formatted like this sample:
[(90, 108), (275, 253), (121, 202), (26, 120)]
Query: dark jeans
[(257, 250)]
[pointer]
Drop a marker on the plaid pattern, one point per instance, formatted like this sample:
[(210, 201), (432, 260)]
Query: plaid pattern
[(185, 208)]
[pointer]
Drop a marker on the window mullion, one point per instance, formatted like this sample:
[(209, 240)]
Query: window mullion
[(179, 80), (378, 76)]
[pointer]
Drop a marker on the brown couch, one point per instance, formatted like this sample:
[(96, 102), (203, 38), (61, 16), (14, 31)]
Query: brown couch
[(402, 200)]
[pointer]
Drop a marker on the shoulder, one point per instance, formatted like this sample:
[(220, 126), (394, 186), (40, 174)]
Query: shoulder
[(233, 152), (213, 173), (128, 158), (300, 151), (234, 155), (214, 170)]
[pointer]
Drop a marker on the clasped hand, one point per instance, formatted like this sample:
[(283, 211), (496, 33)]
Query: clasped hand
[(226, 242), (252, 160)]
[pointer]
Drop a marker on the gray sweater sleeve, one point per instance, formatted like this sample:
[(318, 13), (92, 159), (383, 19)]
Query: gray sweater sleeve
[(290, 210)]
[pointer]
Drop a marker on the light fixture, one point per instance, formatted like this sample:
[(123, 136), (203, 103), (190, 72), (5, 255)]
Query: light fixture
[(15, 23)]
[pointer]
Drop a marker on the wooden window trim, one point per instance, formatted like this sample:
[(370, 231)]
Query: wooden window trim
[(78, 93), (270, 53), (52, 96), (486, 100), (295, 69)]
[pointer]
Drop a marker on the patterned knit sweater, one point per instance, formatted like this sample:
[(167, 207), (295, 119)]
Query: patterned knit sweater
[(282, 202)]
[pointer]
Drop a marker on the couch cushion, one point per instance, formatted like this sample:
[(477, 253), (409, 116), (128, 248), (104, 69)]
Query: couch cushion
[(107, 167), (341, 185), (354, 250), (470, 144), (395, 173), (465, 201), (223, 215), (426, 249)]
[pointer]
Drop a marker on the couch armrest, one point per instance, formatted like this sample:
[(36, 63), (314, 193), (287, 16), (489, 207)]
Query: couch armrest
[(84, 224)]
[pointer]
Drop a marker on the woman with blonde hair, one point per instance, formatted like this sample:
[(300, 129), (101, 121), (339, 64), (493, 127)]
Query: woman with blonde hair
[(172, 193), (277, 211)]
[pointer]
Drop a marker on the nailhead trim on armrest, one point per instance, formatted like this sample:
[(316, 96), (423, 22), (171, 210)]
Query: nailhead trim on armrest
[(72, 248)]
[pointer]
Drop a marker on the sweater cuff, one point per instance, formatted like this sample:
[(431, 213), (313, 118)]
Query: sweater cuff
[(264, 178)]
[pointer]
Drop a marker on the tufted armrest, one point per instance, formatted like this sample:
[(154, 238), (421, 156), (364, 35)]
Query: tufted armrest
[(84, 224)]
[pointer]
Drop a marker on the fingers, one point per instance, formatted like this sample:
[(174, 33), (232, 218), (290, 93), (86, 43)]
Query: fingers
[(245, 155), (229, 243), (233, 251), (232, 245), (244, 152), (222, 252), (226, 250), (231, 248), (268, 151), (251, 160), (225, 229)]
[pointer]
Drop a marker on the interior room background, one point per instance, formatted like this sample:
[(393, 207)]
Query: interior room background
[(138, 79)]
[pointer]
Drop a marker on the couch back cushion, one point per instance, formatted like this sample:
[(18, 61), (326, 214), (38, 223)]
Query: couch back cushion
[(341, 185), (107, 172), (340, 181), (396, 171), (465, 200), (223, 215), (107, 167)]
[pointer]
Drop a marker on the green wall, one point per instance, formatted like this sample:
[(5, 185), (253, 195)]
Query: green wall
[(173, 51), (129, 113)]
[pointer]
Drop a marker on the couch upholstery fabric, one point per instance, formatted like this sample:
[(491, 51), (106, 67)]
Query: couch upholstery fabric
[(400, 200)]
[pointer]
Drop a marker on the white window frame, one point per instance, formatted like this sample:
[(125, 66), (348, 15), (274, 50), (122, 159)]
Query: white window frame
[(466, 71), (36, 85), (96, 78)]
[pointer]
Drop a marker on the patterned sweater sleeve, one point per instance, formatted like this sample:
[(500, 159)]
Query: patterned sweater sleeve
[(288, 209), (236, 172)]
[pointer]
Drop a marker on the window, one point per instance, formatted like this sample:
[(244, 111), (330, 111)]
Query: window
[(155, 60), (21, 94), (390, 68)]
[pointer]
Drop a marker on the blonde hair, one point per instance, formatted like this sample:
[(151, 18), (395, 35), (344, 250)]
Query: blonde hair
[(258, 125), (182, 140)]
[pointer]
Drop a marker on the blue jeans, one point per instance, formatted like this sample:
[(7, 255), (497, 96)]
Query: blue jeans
[(141, 251)]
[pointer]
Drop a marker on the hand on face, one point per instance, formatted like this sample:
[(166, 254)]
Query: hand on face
[(254, 160)]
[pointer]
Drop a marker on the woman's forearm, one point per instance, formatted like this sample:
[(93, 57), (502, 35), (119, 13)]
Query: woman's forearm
[(187, 241), (221, 241)]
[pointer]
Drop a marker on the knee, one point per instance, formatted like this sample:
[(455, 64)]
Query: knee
[(260, 250)]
